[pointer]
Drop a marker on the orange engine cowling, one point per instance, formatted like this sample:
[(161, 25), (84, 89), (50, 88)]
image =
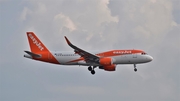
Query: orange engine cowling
[(106, 61), (108, 68), (107, 64)]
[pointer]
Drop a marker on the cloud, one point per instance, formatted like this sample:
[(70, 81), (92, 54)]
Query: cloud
[(66, 21), (150, 25), (103, 12), (24, 14)]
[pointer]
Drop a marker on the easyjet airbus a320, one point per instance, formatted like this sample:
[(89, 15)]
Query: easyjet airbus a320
[(107, 60)]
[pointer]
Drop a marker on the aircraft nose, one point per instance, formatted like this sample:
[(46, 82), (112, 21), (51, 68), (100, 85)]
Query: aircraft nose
[(149, 58)]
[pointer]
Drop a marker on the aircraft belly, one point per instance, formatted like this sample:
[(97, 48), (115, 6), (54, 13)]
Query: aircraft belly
[(127, 59), (67, 60), (122, 59)]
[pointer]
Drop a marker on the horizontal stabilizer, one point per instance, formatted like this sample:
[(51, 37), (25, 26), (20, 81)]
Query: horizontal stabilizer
[(33, 54)]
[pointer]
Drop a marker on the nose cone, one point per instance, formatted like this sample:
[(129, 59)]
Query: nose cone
[(149, 58)]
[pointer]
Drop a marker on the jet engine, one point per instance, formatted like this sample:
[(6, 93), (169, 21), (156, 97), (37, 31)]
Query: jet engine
[(106, 61), (108, 68), (107, 64)]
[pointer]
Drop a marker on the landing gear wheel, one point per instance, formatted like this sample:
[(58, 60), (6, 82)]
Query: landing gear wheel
[(90, 68), (135, 69), (92, 72)]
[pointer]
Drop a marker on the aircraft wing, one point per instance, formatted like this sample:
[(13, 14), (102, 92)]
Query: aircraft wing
[(89, 58)]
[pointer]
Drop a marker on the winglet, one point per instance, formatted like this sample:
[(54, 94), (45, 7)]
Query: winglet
[(67, 40)]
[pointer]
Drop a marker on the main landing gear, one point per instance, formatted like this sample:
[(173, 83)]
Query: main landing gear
[(92, 69), (135, 69)]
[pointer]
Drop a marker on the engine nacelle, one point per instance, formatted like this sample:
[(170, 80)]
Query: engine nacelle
[(106, 61), (107, 64), (108, 68)]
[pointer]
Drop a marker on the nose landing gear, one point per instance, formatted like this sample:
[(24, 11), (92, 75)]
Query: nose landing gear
[(92, 69), (135, 69)]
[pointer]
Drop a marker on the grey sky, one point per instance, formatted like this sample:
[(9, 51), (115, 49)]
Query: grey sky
[(150, 25)]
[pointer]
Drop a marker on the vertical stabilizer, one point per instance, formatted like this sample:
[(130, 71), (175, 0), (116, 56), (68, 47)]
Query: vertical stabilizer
[(35, 44), (39, 50)]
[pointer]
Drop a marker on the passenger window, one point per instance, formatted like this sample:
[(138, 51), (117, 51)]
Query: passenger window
[(144, 53)]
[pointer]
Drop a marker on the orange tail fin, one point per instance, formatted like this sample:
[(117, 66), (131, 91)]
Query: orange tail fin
[(35, 44)]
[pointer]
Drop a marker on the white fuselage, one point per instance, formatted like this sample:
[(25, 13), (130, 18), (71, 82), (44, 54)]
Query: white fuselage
[(64, 58), (106, 60)]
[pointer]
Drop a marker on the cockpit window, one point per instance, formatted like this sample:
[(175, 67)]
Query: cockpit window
[(144, 53)]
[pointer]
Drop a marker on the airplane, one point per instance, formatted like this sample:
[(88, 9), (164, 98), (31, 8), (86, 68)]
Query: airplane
[(107, 60)]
